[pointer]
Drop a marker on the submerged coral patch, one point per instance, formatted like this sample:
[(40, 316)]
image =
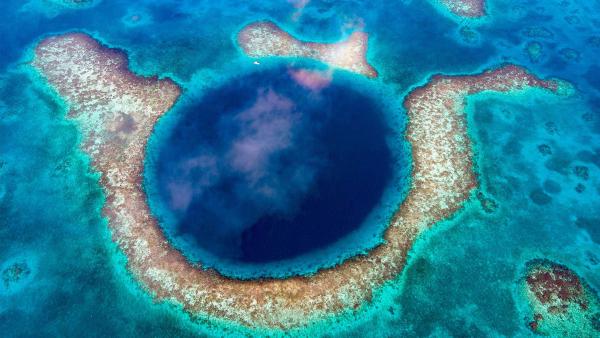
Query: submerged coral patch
[(14, 273)]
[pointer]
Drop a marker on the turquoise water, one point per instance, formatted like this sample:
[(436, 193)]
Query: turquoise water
[(461, 276)]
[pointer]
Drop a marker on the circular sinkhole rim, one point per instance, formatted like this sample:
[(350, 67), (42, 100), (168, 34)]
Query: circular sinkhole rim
[(336, 252)]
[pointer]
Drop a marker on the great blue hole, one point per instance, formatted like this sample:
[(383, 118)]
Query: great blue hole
[(270, 167)]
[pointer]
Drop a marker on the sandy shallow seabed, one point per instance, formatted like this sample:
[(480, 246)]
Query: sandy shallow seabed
[(116, 111)]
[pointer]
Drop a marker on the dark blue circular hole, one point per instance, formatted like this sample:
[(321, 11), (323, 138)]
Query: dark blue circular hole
[(273, 165)]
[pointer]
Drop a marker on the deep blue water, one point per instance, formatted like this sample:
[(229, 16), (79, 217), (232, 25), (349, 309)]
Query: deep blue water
[(461, 276), (273, 169)]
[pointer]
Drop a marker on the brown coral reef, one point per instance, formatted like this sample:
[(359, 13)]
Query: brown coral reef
[(465, 8), (559, 302), (263, 39)]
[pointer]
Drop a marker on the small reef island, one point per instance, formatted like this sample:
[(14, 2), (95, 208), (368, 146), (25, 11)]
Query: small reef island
[(465, 8), (117, 110), (263, 39), (558, 301)]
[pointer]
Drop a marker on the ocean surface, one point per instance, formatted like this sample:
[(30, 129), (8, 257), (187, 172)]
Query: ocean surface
[(339, 171)]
